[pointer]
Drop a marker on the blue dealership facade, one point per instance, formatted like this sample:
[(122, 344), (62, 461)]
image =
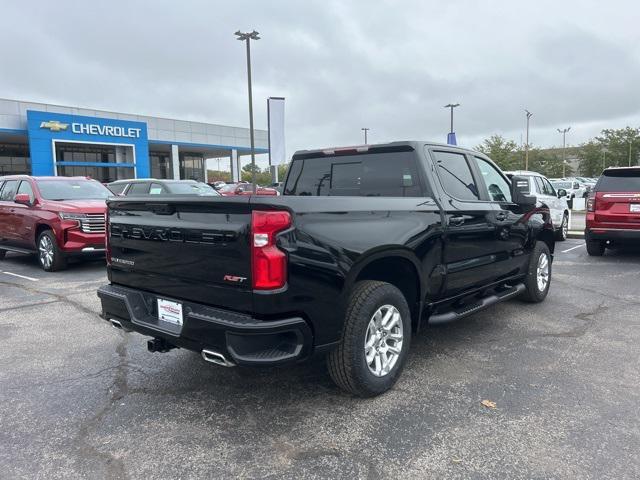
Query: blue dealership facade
[(43, 140)]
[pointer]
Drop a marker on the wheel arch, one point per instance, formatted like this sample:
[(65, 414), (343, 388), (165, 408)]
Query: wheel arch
[(397, 267)]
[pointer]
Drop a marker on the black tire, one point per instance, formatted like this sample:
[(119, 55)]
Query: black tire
[(595, 248), (533, 293), (347, 364), (561, 234), (57, 261)]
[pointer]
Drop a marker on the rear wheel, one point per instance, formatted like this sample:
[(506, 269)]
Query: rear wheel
[(563, 231), (595, 248), (49, 255), (375, 340), (538, 277)]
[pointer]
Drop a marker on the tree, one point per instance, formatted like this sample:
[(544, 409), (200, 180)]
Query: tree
[(612, 148), (502, 151)]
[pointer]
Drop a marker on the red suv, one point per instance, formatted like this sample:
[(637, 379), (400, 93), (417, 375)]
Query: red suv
[(53, 217), (613, 210), (231, 189)]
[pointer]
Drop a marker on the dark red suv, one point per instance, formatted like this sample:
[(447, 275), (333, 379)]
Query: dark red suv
[(53, 217), (613, 210)]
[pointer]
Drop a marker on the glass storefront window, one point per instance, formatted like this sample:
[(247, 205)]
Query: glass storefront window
[(14, 159), (161, 165), (102, 174), (192, 167)]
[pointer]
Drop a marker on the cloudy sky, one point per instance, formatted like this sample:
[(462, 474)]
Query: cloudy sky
[(342, 65)]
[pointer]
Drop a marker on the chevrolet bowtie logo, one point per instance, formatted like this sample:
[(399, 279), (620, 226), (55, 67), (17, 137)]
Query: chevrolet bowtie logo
[(54, 125)]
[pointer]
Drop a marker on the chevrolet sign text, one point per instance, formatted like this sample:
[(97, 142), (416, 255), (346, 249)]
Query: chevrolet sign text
[(105, 130)]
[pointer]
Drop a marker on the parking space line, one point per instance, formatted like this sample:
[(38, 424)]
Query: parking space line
[(20, 276), (573, 248)]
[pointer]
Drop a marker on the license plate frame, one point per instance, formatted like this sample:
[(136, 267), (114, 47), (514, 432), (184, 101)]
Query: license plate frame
[(170, 311)]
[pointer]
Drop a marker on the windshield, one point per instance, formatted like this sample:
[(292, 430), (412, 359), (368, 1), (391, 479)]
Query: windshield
[(565, 185), (73, 190), (199, 188)]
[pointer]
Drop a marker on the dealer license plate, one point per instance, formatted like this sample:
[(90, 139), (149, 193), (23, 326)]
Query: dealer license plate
[(634, 207), (170, 311)]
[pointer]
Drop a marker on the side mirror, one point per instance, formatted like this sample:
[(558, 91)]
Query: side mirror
[(562, 193), (239, 190), (520, 191), (23, 199)]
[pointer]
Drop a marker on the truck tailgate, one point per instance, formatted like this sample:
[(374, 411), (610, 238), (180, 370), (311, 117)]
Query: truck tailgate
[(194, 248)]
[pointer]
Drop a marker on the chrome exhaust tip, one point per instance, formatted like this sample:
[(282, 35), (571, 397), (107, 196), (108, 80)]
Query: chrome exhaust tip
[(118, 325), (217, 358)]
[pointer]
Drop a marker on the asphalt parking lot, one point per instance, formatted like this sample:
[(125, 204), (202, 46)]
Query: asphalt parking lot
[(80, 399)]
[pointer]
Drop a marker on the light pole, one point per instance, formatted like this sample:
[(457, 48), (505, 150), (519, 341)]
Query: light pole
[(526, 145), (247, 37), (604, 158), (365, 130), (451, 138), (564, 148), (629, 152)]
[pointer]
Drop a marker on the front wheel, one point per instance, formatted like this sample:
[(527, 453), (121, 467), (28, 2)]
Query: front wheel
[(375, 340), (49, 255), (538, 277)]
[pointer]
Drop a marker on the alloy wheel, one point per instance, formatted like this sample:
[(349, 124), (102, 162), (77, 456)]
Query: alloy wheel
[(542, 273), (383, 341), (45, 251)]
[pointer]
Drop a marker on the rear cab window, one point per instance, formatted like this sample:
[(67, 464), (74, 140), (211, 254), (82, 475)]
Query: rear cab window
[(375, 172), (625, 180)]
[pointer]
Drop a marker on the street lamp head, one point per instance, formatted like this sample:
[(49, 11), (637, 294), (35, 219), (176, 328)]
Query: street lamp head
[(452, 105), (529, 114), (247, 35)]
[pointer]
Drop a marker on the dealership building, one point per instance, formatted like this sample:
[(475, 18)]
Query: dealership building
[(41, 139)]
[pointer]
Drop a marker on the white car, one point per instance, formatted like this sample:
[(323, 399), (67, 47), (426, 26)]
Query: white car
[(555, 200), (572, 186)]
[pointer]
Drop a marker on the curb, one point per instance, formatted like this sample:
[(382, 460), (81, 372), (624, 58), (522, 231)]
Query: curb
[(575, 234)]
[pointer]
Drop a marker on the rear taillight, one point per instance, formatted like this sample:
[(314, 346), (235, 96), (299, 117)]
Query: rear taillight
[(268, 262), (107, 244), (591, 204)]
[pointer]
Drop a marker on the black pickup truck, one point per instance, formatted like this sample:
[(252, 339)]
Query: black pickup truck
[(366, 245)]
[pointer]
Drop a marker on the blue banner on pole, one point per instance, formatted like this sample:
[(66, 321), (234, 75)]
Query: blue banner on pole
[(451, 138)]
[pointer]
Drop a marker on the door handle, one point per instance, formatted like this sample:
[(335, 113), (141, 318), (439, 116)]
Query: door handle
[(456, 221), (501, 216)]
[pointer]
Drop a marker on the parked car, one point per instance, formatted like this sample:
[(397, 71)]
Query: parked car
[(574, 189), (52, 217), (242, 188), (364, 245), (152, 186), (556, 201), (613, 210)]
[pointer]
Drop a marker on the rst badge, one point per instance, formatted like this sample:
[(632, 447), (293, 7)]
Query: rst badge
[(234, 279)]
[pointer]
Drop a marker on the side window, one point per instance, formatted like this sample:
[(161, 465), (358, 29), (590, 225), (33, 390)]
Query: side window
[(455, 176), (540, 186), (548, 188), (156, 189), (1, 184), (9, 191), (138, 189), (497, 187), (118, 188), (25, 187)]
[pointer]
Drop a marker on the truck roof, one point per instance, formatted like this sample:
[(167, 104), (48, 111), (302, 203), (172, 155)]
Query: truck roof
[(405, 145)]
